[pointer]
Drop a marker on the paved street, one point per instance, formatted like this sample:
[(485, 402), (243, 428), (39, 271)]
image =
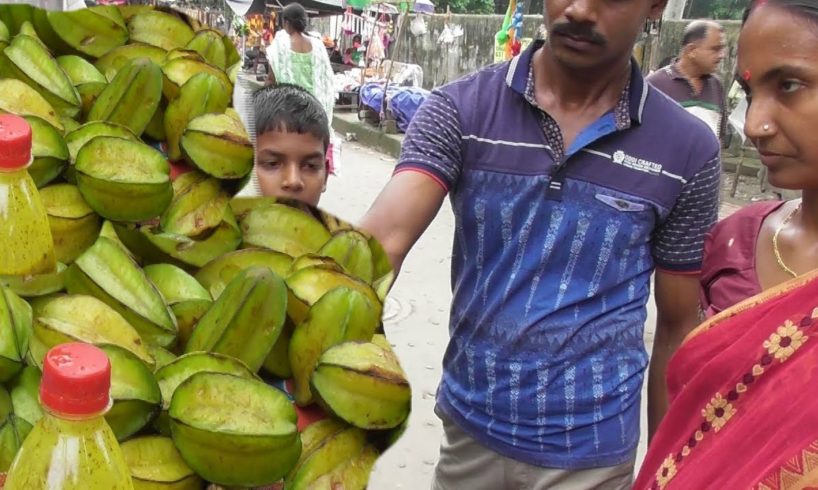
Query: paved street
[(416, 316)]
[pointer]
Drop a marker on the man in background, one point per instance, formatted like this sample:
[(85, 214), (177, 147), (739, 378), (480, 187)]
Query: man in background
[(692, 79)]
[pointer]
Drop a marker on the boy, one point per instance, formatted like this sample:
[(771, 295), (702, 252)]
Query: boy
[(292, 139)]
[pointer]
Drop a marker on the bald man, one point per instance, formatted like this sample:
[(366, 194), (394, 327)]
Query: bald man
[(692, 79)]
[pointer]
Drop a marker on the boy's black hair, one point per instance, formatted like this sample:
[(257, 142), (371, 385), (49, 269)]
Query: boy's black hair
[(290, 109)]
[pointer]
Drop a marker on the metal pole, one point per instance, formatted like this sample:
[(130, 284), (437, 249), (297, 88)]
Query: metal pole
[(371, 37), (365, 18), (392, 59)]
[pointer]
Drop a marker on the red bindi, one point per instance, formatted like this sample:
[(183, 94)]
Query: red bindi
[(746, 75)]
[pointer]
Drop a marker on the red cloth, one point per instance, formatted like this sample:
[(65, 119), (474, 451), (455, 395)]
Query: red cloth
[(729, 271), (743, 401), (306, 415), (330, 160)]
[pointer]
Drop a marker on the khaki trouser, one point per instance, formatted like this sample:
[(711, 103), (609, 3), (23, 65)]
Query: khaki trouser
[(465, 464)]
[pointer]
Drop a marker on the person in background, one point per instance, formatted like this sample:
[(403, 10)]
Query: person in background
[(267, 36), (742, 385), (567, 195), (353, 55), (692, 79), (300, 59)]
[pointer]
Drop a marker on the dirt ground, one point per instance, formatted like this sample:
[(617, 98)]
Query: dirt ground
[(748, 191)]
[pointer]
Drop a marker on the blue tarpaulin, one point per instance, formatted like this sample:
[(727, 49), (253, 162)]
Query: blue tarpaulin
[(403, 101)]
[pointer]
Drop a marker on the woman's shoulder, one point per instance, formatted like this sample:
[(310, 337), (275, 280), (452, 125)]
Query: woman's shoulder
[(728, 269), (744, 223)]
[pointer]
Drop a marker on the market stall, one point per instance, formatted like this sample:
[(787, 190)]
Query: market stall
[(369, 83), (256, 22)]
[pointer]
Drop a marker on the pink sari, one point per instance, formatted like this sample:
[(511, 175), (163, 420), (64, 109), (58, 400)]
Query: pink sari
[(744, 399)]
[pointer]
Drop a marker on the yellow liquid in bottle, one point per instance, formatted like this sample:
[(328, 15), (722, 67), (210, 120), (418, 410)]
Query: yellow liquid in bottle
[(25, 237), (66, 454)]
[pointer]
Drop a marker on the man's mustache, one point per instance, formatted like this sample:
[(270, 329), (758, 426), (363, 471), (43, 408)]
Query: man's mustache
[(580, 31)]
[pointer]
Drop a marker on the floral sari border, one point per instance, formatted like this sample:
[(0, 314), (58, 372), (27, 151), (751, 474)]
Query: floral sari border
[(777, 349)]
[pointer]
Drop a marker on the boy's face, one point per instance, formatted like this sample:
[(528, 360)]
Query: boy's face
[(291, 165)]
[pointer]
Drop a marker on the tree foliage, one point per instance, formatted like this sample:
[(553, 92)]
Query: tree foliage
[(715, 9), (466, 6)]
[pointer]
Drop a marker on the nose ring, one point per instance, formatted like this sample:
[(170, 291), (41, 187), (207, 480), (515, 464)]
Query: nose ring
[(765, 127)]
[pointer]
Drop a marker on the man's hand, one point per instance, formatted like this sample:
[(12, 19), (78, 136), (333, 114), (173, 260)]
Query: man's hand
[(677, 307), (402, 212)]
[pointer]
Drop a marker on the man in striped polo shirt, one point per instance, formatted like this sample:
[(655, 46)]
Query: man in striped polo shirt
[(571, 181), (692, 78)]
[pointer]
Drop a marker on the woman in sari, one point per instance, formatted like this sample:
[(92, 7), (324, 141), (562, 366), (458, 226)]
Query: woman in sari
[(297, 58), (742, 386)]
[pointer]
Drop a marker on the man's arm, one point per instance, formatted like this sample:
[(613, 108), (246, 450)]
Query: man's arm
[(678, 250), (428, 167), (402, 212), (677, 308)]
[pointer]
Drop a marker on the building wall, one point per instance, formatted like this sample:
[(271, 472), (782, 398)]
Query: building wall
[(475, 49), (445, 63)]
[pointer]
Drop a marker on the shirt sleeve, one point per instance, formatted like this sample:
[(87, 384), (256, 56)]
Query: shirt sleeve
[(433, 143), (679, 242)]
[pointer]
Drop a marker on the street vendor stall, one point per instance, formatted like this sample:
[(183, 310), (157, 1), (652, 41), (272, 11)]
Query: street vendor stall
[(376, 80), (314, 8), (172, 334)]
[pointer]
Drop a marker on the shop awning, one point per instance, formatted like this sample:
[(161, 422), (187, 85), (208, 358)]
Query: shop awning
[(315, 8)]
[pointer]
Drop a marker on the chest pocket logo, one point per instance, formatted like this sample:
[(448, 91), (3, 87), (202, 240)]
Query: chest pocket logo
[(621, 204)]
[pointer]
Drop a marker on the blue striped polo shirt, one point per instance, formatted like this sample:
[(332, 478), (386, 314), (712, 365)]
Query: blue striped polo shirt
[(552, 258)]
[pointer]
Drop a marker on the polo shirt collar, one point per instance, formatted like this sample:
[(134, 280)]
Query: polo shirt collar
[(676, 74), (517, 76)]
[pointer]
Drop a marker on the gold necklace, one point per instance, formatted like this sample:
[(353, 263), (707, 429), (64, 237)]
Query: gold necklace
[(775, 241)]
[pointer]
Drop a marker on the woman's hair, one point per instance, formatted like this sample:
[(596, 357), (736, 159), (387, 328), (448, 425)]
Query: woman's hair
[(290, 109), (807, 9), (295, 15)]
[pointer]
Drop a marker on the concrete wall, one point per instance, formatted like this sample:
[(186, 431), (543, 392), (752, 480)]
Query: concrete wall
[(475, 49)]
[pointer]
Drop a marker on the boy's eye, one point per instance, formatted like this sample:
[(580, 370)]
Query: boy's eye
[(270, 164), (313, 166), (789, 86)]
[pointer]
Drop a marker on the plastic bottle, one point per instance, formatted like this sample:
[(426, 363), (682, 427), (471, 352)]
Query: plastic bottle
[(72, 447), (25, 236)]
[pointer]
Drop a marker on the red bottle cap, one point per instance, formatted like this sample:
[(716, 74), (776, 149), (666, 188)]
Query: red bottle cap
[(76, 379), (15, 142)]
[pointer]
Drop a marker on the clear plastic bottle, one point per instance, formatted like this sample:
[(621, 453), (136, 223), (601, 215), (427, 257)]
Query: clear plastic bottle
[(25, 237), (72, 447)]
